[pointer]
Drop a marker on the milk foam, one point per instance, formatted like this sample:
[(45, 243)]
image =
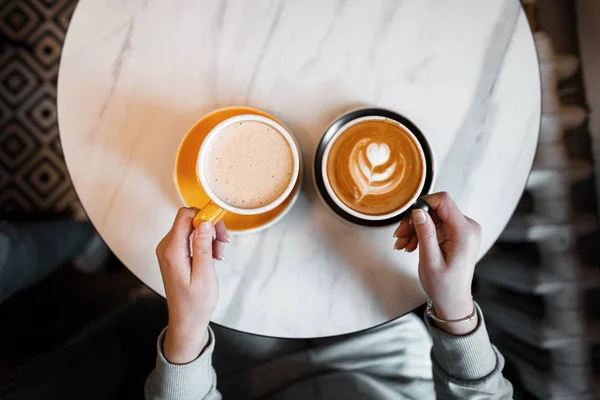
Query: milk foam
[(249, 165)]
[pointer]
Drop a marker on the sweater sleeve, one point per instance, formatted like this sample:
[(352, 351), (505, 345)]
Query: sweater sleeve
[(191, 381), (467, 367)]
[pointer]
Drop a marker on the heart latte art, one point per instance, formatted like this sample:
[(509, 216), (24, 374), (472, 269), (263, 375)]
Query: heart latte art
[(375, 167), (373, 171)]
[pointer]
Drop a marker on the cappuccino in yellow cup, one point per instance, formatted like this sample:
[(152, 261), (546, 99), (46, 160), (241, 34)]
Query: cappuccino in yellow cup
[(247, 165)]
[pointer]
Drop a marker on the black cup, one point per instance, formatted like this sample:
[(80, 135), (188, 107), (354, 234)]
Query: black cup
[(361, 113)]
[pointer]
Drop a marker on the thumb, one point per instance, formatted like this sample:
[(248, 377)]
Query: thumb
[(202, 248), (429, 248)]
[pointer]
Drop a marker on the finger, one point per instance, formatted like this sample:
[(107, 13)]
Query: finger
[(474, 223), (202, 247), (412, 245), (160, 248), (175, 246), (182, 226), (404, 229), (401, 243), (218, 249), (447, 211), (475, 231), (441, 236), (222, 234), (429, 248)]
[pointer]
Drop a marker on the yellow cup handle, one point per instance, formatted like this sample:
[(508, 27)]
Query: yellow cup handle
[(209, 213)]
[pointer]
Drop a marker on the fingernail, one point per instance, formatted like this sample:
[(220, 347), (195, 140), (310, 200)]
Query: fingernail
[(227, 238), (204, 226), (418, 216)]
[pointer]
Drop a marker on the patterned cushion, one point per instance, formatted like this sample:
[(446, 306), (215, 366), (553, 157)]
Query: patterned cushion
[(33, 175)]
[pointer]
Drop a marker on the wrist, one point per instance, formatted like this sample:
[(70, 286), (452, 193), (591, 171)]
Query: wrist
[(454, 309), (183, 346)]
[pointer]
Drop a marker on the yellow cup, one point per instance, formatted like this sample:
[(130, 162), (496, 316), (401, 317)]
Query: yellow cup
[(216, 208)]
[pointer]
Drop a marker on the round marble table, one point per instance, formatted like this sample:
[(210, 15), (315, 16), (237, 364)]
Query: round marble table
[(135, 75)]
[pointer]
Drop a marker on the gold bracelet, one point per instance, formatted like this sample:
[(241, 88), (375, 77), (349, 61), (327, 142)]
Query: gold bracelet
[(430, 312)]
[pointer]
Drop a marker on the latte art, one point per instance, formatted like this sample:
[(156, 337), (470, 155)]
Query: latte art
[(375, 167), (372, 169)]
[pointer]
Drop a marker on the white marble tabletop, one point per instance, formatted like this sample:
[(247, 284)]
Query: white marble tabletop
[(135, 75)]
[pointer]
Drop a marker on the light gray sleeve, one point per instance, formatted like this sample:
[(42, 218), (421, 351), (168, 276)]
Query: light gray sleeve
[(467, 367), (193, 381)]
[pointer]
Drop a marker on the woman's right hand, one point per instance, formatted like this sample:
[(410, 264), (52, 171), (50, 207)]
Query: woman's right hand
[(448, 245), (190, 283)]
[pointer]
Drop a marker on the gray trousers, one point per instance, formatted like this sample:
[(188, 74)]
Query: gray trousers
[(397, 353), (112, 357)]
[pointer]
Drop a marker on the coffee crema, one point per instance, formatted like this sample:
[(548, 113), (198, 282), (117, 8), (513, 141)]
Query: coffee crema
[(375, 167), (249, 165)]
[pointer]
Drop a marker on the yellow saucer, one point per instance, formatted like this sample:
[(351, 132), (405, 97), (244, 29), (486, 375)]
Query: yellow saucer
[(186, 181)]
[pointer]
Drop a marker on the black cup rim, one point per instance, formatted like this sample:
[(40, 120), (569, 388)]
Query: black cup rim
[(370, 112)]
